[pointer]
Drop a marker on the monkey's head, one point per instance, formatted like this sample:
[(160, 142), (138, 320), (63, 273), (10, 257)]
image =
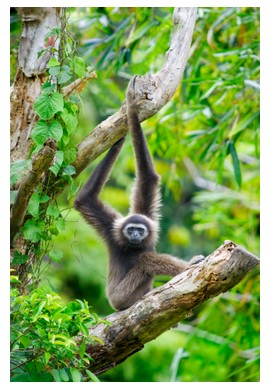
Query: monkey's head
[(136, 231)]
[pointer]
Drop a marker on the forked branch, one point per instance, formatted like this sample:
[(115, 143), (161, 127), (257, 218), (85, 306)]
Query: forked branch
[(163, 307), (152, 91)]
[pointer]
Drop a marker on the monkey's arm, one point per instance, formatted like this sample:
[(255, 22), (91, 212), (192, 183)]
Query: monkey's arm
[(96, 213), (146, 191)]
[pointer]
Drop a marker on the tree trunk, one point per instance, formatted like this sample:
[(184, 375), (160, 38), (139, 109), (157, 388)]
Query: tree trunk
[(37, 22)]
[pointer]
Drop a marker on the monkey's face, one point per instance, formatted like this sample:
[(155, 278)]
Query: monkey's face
[(136, 233)]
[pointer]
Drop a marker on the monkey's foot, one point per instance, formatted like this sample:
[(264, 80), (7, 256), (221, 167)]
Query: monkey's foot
[(196, 259)]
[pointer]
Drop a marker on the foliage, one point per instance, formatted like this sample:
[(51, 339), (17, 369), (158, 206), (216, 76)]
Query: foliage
[(205, 142), (45, 346), (44, 342), (58, 122)]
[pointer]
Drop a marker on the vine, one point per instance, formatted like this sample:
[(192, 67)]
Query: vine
[(57, 111), (48, 336)]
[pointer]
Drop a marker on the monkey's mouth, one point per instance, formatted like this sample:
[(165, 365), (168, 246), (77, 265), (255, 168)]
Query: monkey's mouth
[(135, 241)]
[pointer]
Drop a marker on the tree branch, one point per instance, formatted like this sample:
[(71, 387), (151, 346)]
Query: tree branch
[(78, 85), (152, 91), (163, 307)]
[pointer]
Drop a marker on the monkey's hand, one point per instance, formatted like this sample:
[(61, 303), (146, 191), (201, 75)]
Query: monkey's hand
[(131, 92)]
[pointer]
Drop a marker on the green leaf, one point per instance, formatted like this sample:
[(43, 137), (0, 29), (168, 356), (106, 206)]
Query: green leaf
[(53, 62), (53, 211), (44, 198), (25, 341), (54, 71), (79, 66), (70, 155), (64, 74), (64, 375), (60, 224), (69, 170), (70, 119), (47, 105), (56, 375), (40, 132), (58, 163), (92, 376), (244, 123), (47, 356), (236, 164), (18, 258), (55, 130), (141, 31), (18, 170), (222, 155), (38, 310), (33, 230), (43, 130), (56, 255), (48, 87), (33, 206), (76, 375), (54, 31), (82, 349), (34, 202)]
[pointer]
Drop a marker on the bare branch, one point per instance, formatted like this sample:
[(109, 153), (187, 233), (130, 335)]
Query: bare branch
[(163, 307), (78, 85)]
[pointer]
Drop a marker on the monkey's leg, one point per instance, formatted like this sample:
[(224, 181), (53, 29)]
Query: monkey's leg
[(138, 280), (149, 264), (162, 264)]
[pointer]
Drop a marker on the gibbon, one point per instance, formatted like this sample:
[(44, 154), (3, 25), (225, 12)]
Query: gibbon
[(131, 240)]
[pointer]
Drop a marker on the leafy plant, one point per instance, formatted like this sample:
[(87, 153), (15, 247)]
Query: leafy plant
[(58, 120), (49, 337)]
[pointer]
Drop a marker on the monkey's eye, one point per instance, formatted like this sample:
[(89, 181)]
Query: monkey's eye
[(141, 230)]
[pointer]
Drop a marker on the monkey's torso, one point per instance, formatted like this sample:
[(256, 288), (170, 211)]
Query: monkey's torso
[(123, 262)]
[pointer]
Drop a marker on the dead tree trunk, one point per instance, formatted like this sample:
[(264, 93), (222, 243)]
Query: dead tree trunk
[(163, 307)]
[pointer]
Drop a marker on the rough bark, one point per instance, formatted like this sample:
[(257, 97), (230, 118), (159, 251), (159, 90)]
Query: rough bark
[(30, 76), (163, 307)]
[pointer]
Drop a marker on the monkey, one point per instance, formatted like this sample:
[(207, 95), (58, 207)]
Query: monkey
[(131, 240)]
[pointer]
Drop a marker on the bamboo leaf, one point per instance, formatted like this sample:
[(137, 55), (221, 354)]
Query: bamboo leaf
[(236, 164)]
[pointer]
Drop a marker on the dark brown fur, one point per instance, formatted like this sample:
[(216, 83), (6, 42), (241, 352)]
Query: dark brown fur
[(131, 269)]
